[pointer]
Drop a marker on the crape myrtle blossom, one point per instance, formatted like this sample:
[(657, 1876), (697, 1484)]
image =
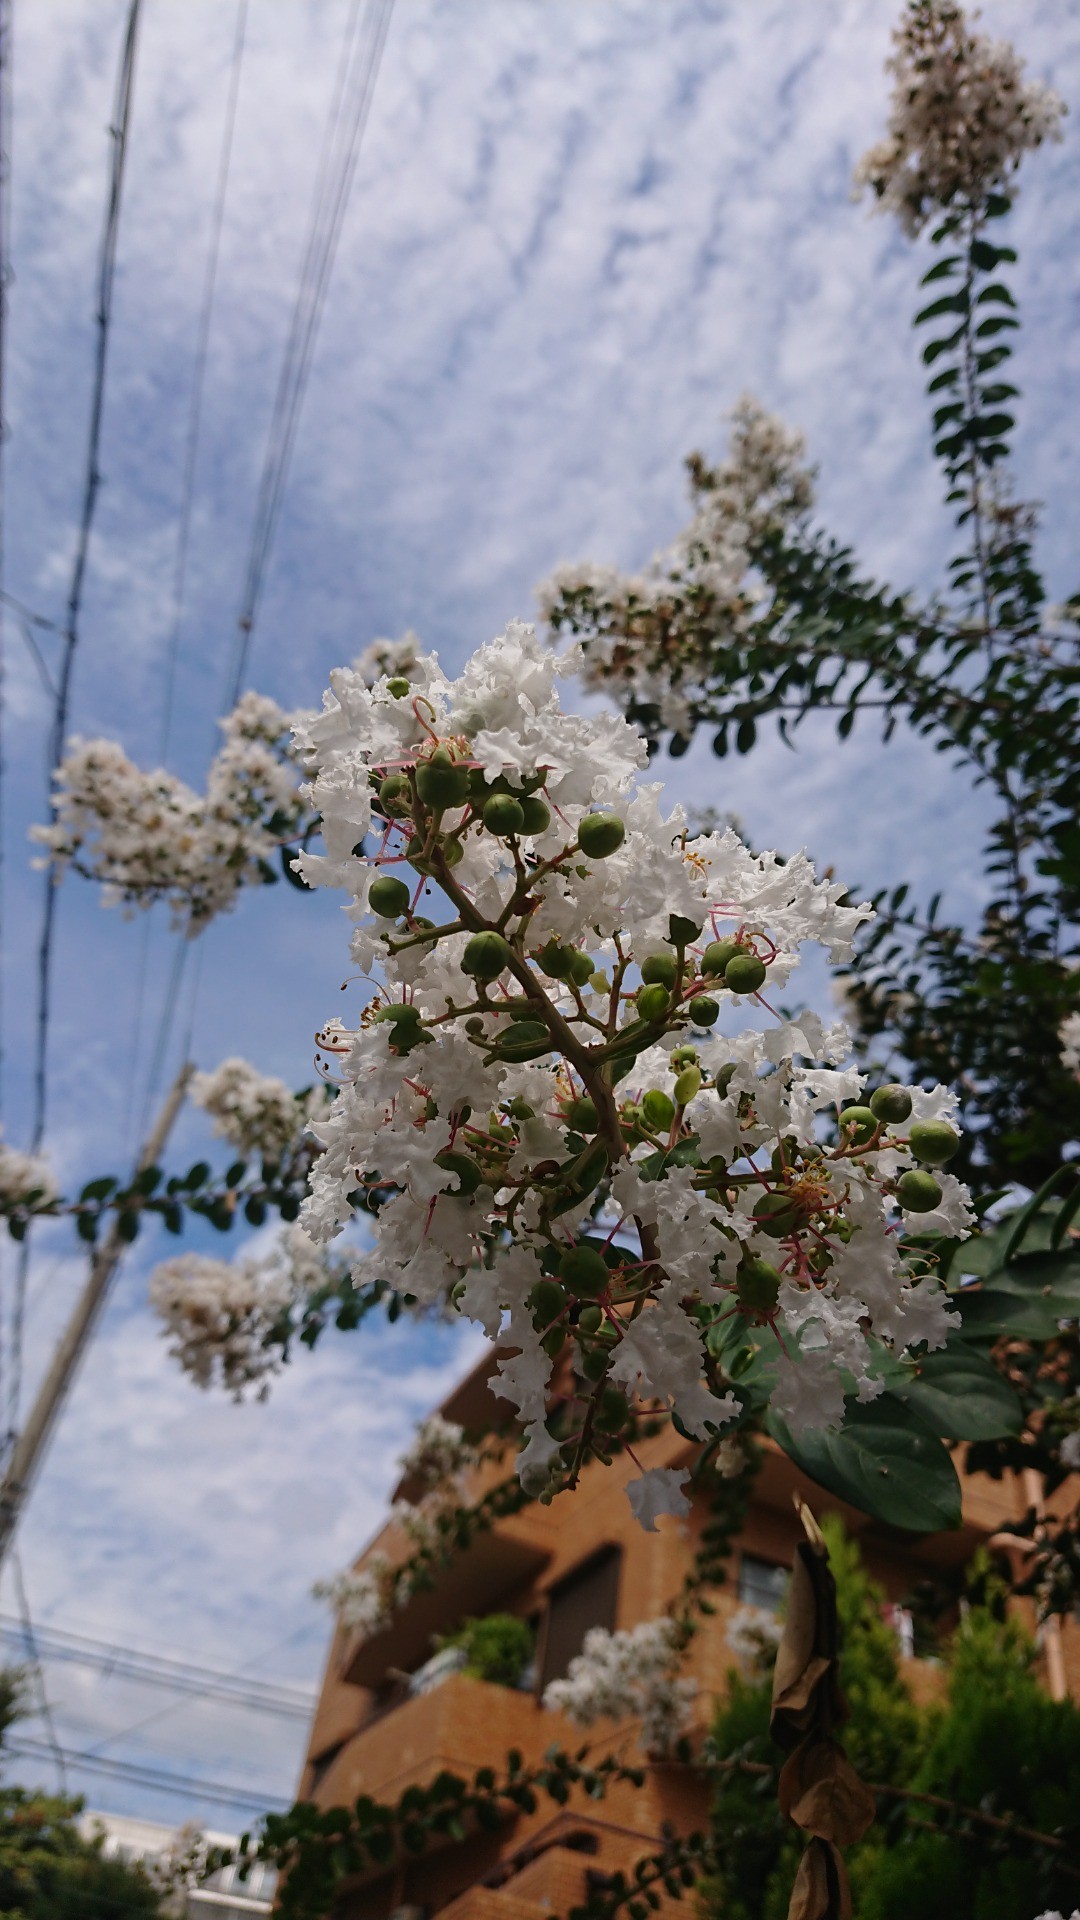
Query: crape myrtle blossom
[(753, 1636), (575, 1152), (255, 1112), (631, 1674), (224, 1319), (360, 1596), (648, 637), (435, 1463), (962, 117), (149, 836), (26, 1180)]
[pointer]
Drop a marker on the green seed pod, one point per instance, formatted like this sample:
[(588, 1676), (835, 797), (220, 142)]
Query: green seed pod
[(658, 1109), (758, 1287), (591, 1319), (684, 1056), (653, 1002), (687, 1084), (745, 973), (933, 1142), (485, 956), (581, 968), (582, 1114), (466, 1172), (503, 816), (395, 796), (593, 1363), (600, 834), (440, 782), (519, 1108), (703, 1011), (398, 686), (556, 961), (584, 1270), (724, 1078), (389, 897), (858, 1124), (553, 1341), (918, 1191), (547, 1300), (891, 1104), (537, 814), (716, 956), (613, 1413), (659, 968), (400, 1010), (777, 1214), (475, 1024)]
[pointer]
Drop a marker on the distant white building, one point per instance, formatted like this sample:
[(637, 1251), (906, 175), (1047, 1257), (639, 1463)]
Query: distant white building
[(223, 1897)]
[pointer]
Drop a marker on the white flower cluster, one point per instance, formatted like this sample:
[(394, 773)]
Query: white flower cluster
[(26, 1179), (650, 635), (752, 1634), (439, 1455), (387, 658), (222, 1316), (629, 1675), (584, 1158), (149, 836), (255, 1112), (437, 1462), (962, 117), (360, 1596), (1069, 1037)]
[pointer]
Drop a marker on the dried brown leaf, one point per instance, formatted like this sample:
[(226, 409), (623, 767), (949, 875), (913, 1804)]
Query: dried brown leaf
[(821, 1890), (820, 1791)]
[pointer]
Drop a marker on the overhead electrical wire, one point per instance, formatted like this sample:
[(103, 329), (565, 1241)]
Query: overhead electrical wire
[(119, 130), (358, 68), (198, 383), (37, 1671), (276, 1698), (156, 1779)]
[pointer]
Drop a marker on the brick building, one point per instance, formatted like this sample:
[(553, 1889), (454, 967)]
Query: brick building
[(389, 1716)]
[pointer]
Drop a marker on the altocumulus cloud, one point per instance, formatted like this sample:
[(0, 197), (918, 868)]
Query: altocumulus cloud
[(577, 233)]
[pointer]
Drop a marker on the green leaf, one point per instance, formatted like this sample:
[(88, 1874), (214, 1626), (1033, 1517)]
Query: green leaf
[(1025, 1300), (99, 1189), (944, 267), (997, 323), (959, 1395), (948, 303), (127, 1225), (884, 1462), (86, 1227)]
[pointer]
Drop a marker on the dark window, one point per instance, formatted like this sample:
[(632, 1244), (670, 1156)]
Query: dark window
[(761, 1584), (588, 1597)]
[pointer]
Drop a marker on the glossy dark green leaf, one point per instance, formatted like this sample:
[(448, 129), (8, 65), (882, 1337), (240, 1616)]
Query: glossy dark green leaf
[(961, 1396), (884, 1462)]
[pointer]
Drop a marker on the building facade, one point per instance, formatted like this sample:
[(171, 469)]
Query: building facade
[(390, 1716)]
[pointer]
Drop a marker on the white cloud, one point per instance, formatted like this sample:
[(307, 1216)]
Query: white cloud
[(577, 233)]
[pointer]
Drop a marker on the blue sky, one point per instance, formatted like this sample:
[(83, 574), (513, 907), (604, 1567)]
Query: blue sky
[(578, 231)]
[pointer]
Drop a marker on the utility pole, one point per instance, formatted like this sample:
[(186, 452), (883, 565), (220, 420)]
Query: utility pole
[(31, 1443)]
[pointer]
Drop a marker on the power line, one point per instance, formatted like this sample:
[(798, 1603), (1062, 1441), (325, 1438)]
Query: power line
[(27, 1626), (161, 1670), (157, 1779), (106, 278), (354, 88), (199, 375)]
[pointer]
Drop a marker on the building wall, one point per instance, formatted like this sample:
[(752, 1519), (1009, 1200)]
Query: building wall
[(368, 1737)]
